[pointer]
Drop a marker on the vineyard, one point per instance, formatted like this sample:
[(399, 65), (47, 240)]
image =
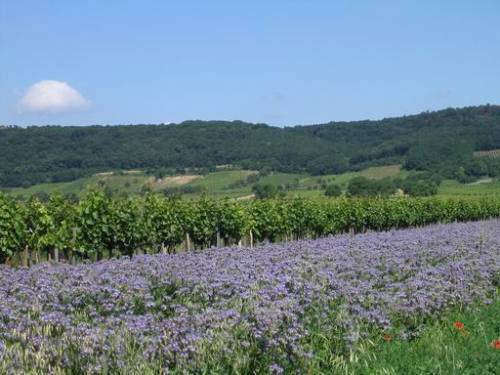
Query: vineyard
[(98, 227)]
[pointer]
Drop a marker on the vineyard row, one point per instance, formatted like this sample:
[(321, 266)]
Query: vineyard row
[(99, 227)]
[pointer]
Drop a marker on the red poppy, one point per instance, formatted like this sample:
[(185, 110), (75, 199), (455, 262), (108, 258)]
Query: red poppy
[(459, 325), (387, 337), (495, 344)]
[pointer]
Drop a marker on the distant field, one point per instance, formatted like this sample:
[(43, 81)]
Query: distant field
[(376, 173), (216, 183), (492, 154), (222, 183), (173, 181), (451, 187), (310, 186), (129, 183)]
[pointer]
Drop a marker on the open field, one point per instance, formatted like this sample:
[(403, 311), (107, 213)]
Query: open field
[(221, 183), (310, 186), (375, 173), (215, 183), (407, 301), (492, 154), (454, 188), (130, 183), (172, 181)]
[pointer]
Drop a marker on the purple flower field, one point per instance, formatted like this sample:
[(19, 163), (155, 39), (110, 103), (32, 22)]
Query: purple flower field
[(171, 309)]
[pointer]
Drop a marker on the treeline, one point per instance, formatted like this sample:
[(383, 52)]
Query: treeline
[(100, 227), (421, 184), (440, 142)]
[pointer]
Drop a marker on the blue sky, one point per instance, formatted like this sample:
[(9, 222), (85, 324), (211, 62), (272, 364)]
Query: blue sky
[(279, 62)]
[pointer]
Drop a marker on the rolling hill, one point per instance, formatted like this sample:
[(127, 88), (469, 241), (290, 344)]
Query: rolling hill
[(443, 142)]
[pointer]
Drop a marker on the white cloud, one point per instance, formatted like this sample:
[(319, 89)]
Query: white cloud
[(52, 97)]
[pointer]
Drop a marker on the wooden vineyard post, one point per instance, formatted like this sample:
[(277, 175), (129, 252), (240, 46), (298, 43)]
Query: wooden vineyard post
[(56, 255), (72, 258), (25, 256), (219, 242), (188, 242), (251, 239)]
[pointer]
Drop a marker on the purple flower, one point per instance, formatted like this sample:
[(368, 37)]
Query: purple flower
[(171, 307)]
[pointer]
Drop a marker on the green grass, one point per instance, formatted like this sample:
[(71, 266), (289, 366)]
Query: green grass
[(217, 182), (450, 187), (375, 173), (310, 186), (442, 348), (282, 178), (303, 193), (129, 183)]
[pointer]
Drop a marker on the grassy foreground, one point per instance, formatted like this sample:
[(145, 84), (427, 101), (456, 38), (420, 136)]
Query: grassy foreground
[(444, 346)]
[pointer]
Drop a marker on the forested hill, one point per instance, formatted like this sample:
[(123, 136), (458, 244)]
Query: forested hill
[(442, 142)]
